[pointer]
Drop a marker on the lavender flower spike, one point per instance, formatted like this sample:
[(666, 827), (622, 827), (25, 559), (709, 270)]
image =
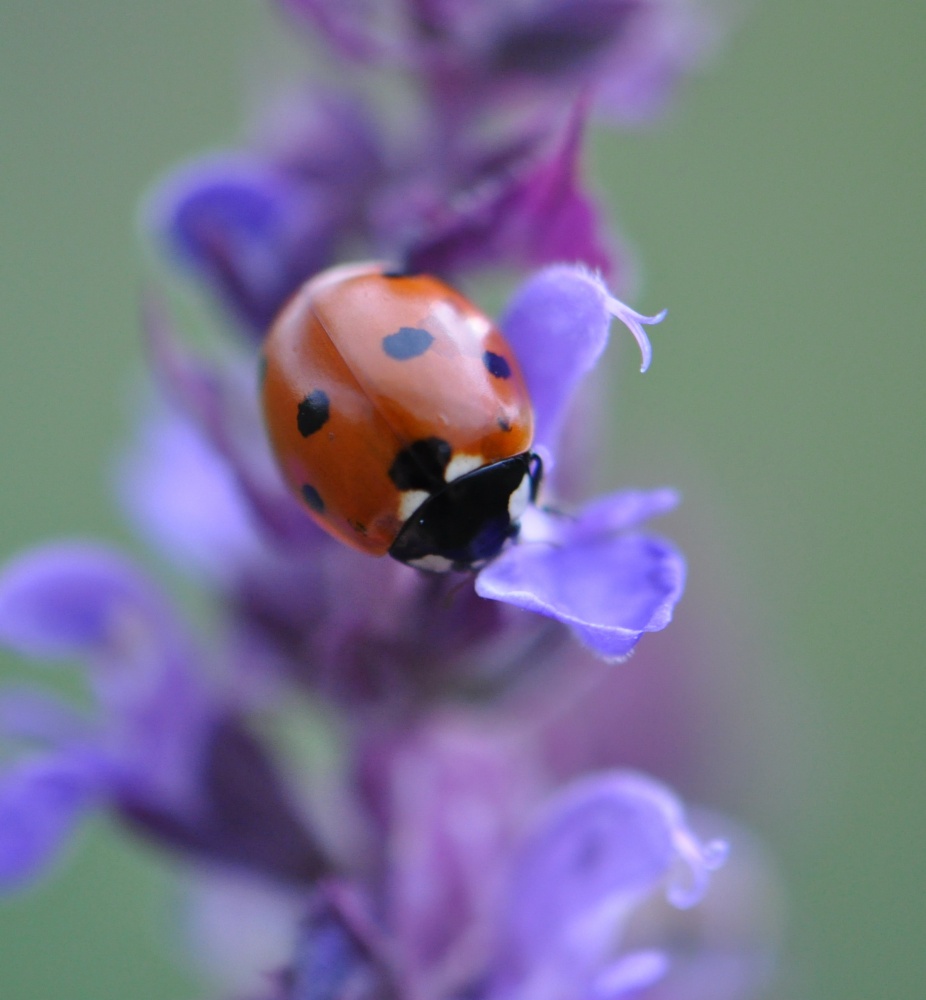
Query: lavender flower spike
[(363, 772)]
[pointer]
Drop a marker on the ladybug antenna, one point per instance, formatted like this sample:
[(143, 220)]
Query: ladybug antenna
[(635, 322)]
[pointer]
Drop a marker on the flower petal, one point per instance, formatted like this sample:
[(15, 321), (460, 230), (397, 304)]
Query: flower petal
[(41, 800), (186, 499), (558, 325), (525, 206), (602, 846), (180, 766), (609, 589), (39, 718), (622, 510), (83, 600), (251, 232), (630, 974)]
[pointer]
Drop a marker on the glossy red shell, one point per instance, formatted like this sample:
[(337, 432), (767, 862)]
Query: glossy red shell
[(332, 368)]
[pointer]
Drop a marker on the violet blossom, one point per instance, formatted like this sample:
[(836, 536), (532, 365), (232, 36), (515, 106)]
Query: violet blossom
[(432, 843)]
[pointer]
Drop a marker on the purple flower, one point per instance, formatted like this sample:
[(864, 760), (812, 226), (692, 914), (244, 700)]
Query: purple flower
[(253, 225), (430, 878), (630, 53), (173, 758), (604, 846), (481, 170), (483, 887)]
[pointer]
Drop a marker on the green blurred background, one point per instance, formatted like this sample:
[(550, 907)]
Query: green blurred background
[(779, 212)]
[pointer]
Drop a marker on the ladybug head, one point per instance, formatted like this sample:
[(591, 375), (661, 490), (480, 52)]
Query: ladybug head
[(466, 523)]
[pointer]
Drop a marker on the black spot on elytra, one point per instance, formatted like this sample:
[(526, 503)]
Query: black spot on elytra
[(496, 365), (313, 413), (313, 498), (504, 424), (421, 465), (408, 342)]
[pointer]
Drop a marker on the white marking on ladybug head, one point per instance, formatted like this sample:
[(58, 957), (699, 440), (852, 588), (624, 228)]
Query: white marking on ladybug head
[(432, 564), (410, 501), (460, 464)]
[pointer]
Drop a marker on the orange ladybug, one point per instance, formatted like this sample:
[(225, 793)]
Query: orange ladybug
[(399, 416)]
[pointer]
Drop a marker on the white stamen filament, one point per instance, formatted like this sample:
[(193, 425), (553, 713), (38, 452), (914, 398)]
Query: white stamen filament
[(635, 322)]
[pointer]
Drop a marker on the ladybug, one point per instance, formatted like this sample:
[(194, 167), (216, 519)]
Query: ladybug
[(399, 417)]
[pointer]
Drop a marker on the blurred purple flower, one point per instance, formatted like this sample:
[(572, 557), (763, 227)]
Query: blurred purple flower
[(480, 170), (442, 888), (478, 55), (483, 886), (161, 748), (253, 225)]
